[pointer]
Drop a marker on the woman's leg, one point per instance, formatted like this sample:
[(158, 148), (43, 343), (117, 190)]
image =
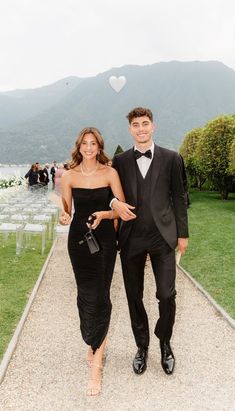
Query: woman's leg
[(89, 356), (94, 384)]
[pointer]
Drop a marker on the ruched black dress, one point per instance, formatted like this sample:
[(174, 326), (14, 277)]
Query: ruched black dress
[(93, 272)]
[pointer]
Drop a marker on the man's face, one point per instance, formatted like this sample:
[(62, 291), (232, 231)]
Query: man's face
[(141, 129)]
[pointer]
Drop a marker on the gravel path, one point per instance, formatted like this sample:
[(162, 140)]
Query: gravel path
[(48, 370)]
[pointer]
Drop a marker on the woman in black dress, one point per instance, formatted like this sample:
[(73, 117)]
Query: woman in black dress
[(91, 184), (32, 176)]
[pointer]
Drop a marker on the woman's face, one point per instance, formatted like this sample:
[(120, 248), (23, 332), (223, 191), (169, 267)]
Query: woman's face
[(89, 147)]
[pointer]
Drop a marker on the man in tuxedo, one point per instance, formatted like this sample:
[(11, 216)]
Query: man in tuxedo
[(52, 172), (154, 223)]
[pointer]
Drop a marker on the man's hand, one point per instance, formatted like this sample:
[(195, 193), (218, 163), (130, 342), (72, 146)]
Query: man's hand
[(124, 210), (182, 245)]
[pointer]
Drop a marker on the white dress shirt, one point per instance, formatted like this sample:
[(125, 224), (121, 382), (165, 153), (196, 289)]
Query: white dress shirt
[(144, 162)]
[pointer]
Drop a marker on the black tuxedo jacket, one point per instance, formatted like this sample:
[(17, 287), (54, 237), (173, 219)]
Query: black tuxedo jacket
[(167, 203)]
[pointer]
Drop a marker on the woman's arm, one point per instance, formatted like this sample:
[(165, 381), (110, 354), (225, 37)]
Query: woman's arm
[(115, 184), (66, 197)]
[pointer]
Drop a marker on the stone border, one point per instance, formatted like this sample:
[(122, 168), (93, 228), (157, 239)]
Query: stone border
[(13, 343), (223, 313)]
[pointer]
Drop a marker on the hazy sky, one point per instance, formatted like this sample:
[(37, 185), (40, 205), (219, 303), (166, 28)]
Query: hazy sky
[(42, 41)]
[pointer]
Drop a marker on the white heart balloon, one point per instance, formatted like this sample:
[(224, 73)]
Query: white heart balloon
[(117, 83)]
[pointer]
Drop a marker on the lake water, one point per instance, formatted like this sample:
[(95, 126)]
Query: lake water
[(13, 171)]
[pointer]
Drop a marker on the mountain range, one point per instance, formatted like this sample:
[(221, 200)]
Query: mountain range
[(42, 124)]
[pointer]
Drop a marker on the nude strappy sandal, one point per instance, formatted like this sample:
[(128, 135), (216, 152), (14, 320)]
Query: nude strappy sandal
[(91, 390)]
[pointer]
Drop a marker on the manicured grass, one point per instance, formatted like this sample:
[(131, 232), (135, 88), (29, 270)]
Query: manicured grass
[(210, 258), (18, 275)]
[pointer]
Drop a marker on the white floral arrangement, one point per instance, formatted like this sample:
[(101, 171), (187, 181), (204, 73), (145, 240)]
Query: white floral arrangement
[(11, 182)]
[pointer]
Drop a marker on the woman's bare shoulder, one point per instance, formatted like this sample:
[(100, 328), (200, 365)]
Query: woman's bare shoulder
[(111, 171), (68, 175)]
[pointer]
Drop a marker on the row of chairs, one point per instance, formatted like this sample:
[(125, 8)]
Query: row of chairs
[(25, 215), (23, 231)]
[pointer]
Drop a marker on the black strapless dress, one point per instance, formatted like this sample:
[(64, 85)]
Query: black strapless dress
[(93, 272)]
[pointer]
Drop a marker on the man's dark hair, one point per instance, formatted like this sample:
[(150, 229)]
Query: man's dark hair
[(139, 112)]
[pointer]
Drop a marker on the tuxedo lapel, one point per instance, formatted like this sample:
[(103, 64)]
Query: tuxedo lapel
[(156, 167), (130, 175)]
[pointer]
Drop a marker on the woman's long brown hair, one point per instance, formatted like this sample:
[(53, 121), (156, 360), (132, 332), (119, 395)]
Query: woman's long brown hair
[(76, 155)]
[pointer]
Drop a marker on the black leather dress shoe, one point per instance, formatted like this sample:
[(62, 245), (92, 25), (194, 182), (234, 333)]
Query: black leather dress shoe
[(140, 360), (168, 359)]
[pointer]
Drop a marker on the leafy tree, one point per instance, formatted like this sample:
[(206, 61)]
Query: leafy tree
[(118, 150), (232, 164), (213, 151), (232, 158), (189, 153)]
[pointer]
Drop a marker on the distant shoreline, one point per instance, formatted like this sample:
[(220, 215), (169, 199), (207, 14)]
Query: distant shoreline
[(13, 170), (14, 165)]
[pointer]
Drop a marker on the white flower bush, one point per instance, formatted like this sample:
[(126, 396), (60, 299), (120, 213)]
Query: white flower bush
[(9, 190), (11, 182)]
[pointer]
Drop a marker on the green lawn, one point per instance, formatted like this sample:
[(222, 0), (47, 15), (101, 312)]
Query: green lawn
[(210, 258), (18, 275)]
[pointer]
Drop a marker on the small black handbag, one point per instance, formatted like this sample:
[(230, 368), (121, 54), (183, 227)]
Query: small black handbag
[(92, 242)]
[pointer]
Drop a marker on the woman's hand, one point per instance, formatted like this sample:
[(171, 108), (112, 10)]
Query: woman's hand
[(99, 215), (64, 218)]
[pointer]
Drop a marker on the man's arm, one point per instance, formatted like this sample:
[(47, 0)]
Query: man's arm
[(178, 198)]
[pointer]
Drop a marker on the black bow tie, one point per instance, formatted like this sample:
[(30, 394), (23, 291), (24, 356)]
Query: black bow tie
[(138, 154)]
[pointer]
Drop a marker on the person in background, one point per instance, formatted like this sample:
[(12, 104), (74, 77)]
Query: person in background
[(43, 176), (46, 172), (32, 176), (66, 166), (52, 172)]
